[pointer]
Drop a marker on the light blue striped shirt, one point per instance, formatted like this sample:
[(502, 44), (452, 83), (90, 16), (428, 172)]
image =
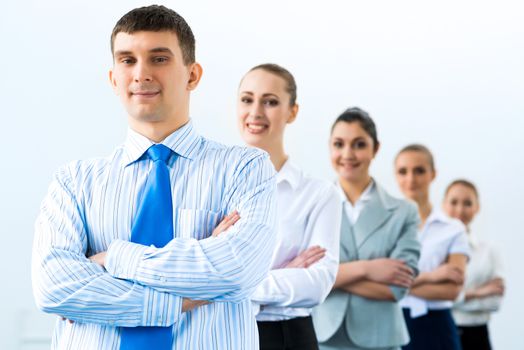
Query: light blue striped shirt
[(90, 208)]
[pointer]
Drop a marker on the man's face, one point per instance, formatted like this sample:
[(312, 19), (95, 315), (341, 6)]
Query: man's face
[(151, 78)]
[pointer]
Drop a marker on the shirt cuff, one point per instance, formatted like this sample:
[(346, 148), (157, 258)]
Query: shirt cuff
[(398, 292), (160, 309), (123, 258)]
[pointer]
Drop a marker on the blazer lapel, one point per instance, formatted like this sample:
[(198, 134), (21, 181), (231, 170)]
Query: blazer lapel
[(347, 240), (372, 217)]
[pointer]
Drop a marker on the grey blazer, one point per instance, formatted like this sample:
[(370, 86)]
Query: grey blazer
[(386, 227)]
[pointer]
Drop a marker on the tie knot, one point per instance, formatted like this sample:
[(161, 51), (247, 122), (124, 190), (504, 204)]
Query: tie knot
[(159, 152)]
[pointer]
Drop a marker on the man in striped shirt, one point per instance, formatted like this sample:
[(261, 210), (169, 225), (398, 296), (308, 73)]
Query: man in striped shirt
[(86, 270)]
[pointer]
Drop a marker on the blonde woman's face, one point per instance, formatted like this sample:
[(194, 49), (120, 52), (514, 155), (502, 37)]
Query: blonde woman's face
[(461, 203), (414, 174), (263, 109)]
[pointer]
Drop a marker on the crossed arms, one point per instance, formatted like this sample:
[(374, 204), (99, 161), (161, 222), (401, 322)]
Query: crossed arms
[(145, 286)]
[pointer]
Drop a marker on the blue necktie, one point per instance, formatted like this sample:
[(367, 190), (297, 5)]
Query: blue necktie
[(153, 226)]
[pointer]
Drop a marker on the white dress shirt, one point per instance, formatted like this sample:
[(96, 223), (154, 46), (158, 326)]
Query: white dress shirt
[(440, 237), (309, 214), (483, 266), (353, 210), (90, 208)]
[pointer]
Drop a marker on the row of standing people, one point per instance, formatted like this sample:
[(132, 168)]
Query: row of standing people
[(354, 267)]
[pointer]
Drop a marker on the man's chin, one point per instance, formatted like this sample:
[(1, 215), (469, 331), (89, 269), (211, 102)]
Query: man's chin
[(146, 117)]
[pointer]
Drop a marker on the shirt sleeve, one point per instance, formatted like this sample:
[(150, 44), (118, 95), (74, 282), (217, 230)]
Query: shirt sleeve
[(308, 287), (498, 265), (459, 243), (407, 248), (223, 268), (491, 303), (68, 284)]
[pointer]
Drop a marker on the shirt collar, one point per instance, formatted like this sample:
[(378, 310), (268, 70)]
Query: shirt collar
[(290, 174), (182, 141), (364, 197), (437, 215), (473, 240)]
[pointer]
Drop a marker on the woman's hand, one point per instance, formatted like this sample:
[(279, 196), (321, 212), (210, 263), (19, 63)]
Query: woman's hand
[(389, 271), (446, 273), (307, 258), (491, 288)]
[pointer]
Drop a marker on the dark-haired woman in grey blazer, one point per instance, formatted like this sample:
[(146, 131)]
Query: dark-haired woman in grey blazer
[(378, 248)]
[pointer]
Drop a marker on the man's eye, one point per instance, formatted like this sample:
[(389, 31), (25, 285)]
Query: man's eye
[(160, 59), (127, 60)]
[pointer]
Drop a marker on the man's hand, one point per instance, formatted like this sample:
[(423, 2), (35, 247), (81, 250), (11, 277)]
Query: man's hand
[(307, 258), (226, 223), (189, 304), (99, 258), (389, 271)]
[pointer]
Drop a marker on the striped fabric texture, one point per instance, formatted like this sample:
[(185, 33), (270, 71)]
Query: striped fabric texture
[(90, 208)]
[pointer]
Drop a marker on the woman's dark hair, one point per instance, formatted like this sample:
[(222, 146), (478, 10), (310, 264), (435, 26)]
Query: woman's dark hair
[(415, 147), (465, 183), (355, 114)]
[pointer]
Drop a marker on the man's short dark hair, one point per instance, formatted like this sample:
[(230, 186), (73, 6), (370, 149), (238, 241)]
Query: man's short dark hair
[(158, 18)]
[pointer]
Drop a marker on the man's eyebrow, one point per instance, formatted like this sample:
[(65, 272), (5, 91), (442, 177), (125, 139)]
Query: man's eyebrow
[(123, 53), (155, 50), (162, 50)]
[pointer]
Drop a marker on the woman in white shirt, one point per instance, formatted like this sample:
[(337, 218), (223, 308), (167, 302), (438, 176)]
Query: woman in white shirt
[(305, 260), (445, 250), (483, 286), (378, 248)]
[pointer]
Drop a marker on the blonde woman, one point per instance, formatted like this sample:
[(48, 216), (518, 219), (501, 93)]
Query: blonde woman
[(305, 261), (445, 251), (483, 286)]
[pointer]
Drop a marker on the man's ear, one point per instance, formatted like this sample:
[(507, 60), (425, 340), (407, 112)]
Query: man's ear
[(195, 73), (112, 81)]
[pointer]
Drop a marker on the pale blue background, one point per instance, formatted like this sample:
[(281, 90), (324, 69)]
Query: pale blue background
[(449, 74)]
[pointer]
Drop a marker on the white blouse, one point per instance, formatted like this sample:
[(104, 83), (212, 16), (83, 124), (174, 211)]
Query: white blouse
[(353, 211), (484, 265), (309, 213), (440, 237)]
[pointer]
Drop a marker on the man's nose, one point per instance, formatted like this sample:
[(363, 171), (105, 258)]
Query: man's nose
[(142, 73)]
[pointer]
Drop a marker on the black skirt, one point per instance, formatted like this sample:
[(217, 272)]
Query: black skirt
[(474, 337), (294, 334), (434, 331)]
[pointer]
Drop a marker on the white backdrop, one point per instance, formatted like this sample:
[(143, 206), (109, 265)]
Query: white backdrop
[(448, 74)]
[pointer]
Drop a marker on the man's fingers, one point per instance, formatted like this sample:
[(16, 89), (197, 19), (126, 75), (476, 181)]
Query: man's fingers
[(226, 223)]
